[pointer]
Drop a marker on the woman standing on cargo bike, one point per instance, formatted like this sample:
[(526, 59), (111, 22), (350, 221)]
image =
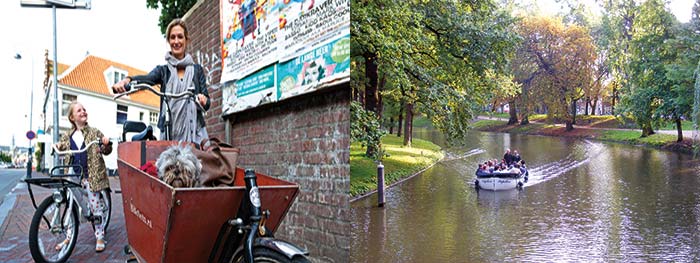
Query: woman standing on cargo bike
[(179, 74)]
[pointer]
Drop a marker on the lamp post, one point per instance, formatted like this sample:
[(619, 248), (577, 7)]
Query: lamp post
[(30, 152), (53, 4)]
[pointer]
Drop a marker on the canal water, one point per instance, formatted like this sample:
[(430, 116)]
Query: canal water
[(585, 201)]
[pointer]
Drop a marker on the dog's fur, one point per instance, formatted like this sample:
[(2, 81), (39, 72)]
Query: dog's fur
[(179, 167)]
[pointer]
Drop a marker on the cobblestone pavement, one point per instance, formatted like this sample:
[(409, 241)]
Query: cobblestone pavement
[(14, 232)]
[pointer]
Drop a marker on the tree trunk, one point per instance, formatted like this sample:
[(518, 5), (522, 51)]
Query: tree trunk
[(513, 114), (399, 127), (408, 125), (680, 130), (573, 114), (647, 129), (588, 100), (569, 125), (595, 105), (391, 125), (380, 103), (614, 95), (371, 88), (525, 120)]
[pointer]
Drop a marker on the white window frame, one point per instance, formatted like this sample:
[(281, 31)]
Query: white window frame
[(66, 103), (153, 118), (125, 112), (109, 74)]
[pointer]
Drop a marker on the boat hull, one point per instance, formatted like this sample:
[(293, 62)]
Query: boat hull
[(498, 183)]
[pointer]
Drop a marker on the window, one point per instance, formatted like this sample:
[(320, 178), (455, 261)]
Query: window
[(67, 100), (118, 76), (113, 75), (154, 118), (122, 113), (141, 116)]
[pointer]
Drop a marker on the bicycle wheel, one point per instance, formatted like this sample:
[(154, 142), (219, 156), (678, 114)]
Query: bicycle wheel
[(106, 210), (51, 226), (263, 254)]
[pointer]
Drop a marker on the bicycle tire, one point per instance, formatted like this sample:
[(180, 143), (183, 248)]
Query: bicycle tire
[(263, 254), (38, 246)]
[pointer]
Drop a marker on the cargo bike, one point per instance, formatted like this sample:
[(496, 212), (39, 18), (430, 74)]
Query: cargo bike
[(216, 224), (203, 224)]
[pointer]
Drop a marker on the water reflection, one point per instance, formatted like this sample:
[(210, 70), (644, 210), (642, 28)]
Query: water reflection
[(586, 201)]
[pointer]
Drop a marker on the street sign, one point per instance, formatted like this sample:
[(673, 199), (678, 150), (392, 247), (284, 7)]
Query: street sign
[(31, 135)]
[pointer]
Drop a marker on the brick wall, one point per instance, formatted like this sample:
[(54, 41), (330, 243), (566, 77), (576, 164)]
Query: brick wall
[(304, 139), (204, 30)]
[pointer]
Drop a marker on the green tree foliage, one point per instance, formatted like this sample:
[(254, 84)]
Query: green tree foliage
[(649, 88), (169, 10), (5, 158), (365, 128), (615, 37), (434, 55), (685, 48)]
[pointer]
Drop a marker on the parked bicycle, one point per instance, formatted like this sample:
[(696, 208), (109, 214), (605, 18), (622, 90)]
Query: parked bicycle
[(53, 231)]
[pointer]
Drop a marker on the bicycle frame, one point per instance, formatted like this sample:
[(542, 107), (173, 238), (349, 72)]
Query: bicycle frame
[(238, 237)]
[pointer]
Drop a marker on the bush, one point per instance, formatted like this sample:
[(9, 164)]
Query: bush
[(365, 129)]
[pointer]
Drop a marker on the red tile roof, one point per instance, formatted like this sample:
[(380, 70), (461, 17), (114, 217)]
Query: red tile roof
[(89, 75)]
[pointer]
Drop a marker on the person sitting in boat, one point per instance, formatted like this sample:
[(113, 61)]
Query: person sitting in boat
[(507, 157), (502, 169), (515, 169), (483, 170), (516, 156), (523, 169)]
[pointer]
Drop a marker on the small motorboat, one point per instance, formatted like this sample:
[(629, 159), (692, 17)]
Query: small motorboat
[(496, 181)]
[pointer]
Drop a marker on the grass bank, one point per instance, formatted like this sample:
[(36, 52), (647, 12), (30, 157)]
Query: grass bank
[(598, 121), (401, 163), (591, 131)]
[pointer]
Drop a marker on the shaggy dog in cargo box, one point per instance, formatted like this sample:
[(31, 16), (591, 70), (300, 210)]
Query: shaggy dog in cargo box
[(179, 167)]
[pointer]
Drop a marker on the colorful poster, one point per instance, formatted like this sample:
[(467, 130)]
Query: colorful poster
[(251, 91), (306, 24), (327, 64), (249, 31), (276, 49)]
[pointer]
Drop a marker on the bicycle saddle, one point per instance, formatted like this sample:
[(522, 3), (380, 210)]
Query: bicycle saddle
[(143, 132), (145, 135)]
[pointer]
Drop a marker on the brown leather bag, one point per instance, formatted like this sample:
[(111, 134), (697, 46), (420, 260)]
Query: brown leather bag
[(218, 162)]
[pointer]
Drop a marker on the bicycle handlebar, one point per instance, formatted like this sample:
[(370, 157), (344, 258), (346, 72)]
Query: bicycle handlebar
[(140, 86), (136, 87), (76, 151)]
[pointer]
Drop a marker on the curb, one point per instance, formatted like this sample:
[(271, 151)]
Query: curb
[(397, 182)]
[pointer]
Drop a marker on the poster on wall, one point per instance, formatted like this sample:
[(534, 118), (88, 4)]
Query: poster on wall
[(252, 91), (249, 31), (309, 23), (277, 49), (327, 64)]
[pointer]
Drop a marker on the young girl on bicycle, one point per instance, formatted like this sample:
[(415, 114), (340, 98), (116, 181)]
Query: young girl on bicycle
[(91, 162)]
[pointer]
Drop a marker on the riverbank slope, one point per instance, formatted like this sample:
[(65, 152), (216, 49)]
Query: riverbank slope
[(589, 130), (401, 163)]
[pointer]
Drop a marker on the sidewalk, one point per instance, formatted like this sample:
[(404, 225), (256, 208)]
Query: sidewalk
[(14, 232)]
